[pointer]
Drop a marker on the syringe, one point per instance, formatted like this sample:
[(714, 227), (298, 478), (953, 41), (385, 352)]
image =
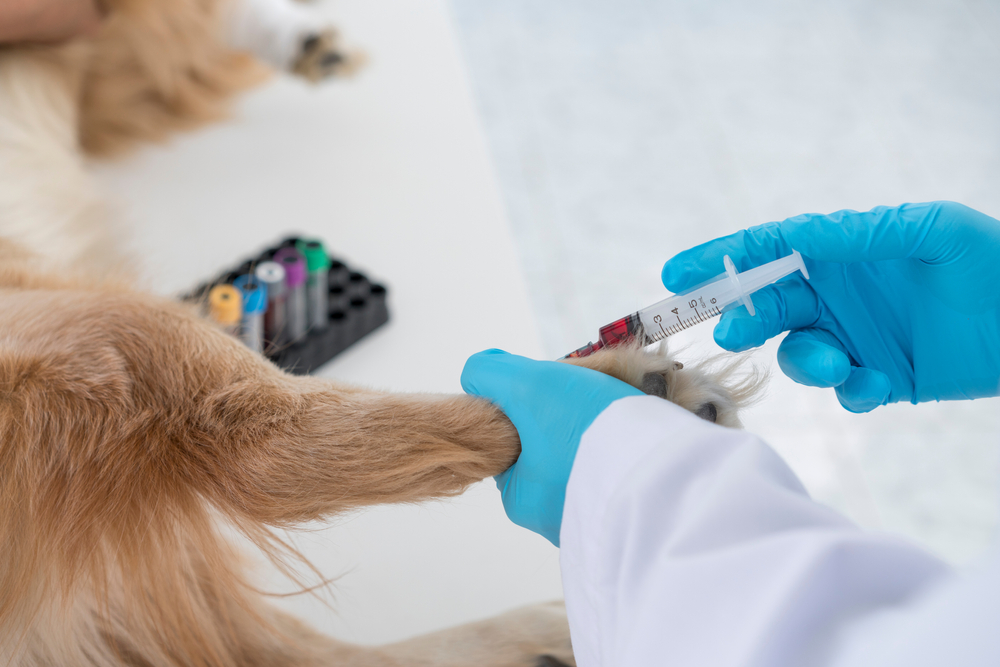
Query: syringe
[(702, 303)]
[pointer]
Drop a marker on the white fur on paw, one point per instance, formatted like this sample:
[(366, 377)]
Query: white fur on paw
[(714, 390), (287, 36)]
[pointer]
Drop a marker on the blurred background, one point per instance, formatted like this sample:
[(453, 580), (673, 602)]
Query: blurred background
[(517, 172)]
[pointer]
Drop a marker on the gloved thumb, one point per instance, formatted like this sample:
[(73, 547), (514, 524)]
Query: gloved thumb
[(484, 370)]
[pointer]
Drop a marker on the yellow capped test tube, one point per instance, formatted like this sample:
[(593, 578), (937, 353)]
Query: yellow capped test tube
[(225, 305)]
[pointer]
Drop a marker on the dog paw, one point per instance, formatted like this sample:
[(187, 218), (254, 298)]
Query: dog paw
[(714, 392), (321, 56)]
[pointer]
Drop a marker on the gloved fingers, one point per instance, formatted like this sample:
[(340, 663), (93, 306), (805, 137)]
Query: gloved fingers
[(815, 358), (788, 304), (917, 231), (747, 248), (864, 390)]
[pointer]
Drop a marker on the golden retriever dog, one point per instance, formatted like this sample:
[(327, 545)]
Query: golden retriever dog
[(134, 433)]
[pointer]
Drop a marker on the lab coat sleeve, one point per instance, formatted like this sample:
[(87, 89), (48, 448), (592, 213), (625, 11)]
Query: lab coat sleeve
[(688, 544)]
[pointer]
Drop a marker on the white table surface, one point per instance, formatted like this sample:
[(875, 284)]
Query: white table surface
[(392, 170)]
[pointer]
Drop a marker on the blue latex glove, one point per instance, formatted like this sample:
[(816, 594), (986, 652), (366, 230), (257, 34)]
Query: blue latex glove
[(551, 405), (903, 303)]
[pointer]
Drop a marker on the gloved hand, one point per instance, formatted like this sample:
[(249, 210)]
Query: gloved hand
[(903, 303), (551, 405)]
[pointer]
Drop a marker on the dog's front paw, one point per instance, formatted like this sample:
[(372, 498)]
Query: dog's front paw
[(322, 56), (713, 393)]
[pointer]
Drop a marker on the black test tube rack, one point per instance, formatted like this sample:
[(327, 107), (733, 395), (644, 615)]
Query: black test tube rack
[(357, 308)]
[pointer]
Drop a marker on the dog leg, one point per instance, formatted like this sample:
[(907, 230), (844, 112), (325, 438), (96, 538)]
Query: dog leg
[(260, 445), (290, 37)]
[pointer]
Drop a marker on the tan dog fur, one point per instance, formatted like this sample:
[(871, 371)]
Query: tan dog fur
[(130, 428)]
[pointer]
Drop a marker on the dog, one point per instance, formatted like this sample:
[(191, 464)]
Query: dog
[(133, 431)]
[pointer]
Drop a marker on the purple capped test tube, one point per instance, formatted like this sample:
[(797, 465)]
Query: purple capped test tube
[(297, 316)]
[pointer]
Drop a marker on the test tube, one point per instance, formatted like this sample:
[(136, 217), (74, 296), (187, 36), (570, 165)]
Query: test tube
[(272, 276), (254, 304), (318, 268), (295, 279), (225, 304)]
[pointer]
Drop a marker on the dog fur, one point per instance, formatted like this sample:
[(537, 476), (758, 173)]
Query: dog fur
[(131, 429)]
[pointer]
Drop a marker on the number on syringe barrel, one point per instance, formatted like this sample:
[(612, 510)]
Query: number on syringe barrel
[(658, 319)]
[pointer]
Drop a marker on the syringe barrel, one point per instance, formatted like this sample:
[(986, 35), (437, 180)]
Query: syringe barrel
[(621, 331), (678, 312)]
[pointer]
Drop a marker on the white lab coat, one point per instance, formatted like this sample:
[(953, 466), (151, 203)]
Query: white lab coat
[(688, 544)]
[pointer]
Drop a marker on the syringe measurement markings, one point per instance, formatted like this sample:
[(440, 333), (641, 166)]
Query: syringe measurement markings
[(683, 323), (692, 320)]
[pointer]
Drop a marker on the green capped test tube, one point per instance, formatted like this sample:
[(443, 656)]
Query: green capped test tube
[(317, 289)]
